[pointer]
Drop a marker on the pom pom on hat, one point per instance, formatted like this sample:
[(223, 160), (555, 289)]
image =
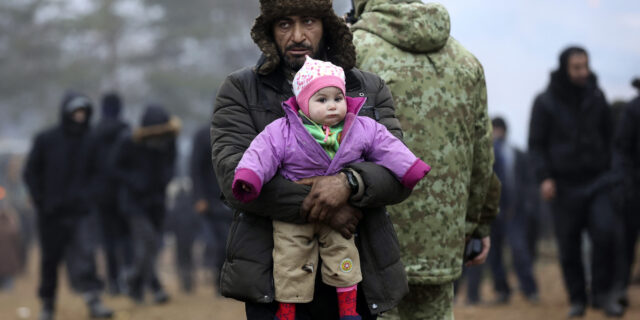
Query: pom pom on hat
[(313, 76)]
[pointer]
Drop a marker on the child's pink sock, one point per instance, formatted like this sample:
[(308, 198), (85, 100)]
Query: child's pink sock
[(347, 300), (286, 311)]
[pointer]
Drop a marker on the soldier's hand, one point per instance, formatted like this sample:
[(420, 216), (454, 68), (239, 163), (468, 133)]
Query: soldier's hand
[(548, 189), (482, 257), (327, 195), (345, 220)]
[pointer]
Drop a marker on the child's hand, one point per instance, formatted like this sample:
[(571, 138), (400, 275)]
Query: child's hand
[(246, 187)]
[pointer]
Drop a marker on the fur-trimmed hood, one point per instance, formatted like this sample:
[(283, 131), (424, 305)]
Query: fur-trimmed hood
[(170, 128), (156, 122), (339, 47)]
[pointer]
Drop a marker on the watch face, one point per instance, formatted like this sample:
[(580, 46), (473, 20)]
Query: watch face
[(353, 183)]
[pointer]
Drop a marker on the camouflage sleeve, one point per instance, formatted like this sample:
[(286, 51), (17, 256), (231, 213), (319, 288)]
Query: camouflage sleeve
[(482, 227), (482, 167)]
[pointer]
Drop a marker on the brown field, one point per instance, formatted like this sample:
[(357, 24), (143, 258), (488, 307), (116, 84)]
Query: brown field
[(22, 303)]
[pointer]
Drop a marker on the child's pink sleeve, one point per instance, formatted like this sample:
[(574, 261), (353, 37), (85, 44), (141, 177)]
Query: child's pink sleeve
[(260, 162)]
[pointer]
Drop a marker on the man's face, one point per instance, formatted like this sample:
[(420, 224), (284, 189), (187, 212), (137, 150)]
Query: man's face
[(578, 69), (79, 116), (498, 133), (297, 36)]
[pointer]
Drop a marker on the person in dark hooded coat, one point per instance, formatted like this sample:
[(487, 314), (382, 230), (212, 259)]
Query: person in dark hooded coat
[(626, 165), (143, 163), (570, 144), (54, 176), (207, 200), (102, 184)]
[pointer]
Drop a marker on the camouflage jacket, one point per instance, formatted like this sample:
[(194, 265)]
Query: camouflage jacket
[(440, 94)]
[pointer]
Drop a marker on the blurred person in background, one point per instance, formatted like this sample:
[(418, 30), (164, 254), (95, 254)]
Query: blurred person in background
[(626, 166), (516, 225), (208, 202), (54, 176), (10, 243), (440, 95), (144, 164), (18, 198), (570, 143), (617, 109), (103, 185), (183, 222)]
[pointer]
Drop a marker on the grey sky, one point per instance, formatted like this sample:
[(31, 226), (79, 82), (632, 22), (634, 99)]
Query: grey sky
[(518, 43)]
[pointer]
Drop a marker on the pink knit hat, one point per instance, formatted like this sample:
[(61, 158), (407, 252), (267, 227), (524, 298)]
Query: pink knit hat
[(313, 76)]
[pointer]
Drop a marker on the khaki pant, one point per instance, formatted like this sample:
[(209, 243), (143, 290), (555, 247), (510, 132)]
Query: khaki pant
[(295, 260)]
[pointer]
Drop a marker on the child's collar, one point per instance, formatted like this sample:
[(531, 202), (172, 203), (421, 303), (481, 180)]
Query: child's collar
[(324, 128)]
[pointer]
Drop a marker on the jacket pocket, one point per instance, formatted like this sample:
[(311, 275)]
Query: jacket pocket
[(230, 237), (247, 273)]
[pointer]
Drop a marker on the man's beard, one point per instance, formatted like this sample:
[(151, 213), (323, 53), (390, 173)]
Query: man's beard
[(295, 63), (580, 82)]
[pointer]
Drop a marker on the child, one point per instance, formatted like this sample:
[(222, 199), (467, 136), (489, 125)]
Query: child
[(319, 135)]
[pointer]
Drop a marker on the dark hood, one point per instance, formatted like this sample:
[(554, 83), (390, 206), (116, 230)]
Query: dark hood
[(111, 105), (154, 115), (71, 102), (561, 85), (338, 39)]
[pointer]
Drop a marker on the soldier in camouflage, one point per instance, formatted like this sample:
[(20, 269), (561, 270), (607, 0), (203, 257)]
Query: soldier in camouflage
[(440, 95)]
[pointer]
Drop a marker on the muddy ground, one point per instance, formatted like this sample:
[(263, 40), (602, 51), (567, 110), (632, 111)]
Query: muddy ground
[(204, 303)]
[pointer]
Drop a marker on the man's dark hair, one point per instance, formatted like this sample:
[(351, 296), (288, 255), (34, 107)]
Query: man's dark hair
[(498, 122), (636, 83), (568, 52)]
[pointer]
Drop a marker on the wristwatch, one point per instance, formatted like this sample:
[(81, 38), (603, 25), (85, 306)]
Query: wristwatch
[(351, 181)]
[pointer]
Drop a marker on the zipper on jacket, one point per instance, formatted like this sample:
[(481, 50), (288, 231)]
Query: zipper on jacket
[(294, 120), (345, 138)]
